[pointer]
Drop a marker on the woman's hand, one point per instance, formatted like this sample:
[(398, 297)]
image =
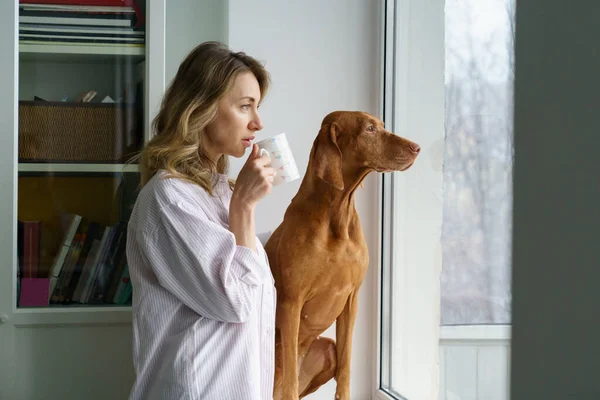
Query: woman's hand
[(254, 181)]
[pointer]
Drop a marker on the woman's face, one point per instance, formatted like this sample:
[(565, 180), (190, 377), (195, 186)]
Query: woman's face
[(237, 120)]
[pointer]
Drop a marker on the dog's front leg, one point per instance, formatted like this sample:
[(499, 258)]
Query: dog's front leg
[(288, 328), (343, 335)]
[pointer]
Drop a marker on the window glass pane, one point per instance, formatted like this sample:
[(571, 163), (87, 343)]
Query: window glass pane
[(476, 230)]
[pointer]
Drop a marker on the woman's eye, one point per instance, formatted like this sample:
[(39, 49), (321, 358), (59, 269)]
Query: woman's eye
[(245, 106)]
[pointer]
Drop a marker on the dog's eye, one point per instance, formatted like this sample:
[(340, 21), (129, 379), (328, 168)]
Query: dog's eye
[(370, 128)]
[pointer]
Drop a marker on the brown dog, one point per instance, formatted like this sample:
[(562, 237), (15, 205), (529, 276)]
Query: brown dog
[(318, 254)]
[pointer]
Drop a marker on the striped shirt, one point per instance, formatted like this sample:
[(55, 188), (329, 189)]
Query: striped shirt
[(203, 307)]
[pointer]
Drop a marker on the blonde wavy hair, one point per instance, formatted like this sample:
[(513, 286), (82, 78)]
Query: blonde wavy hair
[(190, 104)]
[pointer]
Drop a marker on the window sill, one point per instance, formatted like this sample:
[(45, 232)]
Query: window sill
[(470, 333)]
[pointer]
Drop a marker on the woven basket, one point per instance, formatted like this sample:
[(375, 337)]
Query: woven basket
[(76, 132)]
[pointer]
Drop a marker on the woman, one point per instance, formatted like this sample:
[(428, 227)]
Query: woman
[(203, 298)]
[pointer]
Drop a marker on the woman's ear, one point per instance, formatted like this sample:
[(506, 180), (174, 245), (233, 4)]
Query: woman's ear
[(327, 157)]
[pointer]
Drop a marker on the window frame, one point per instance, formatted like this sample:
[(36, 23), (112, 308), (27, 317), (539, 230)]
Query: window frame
[(395, 26)]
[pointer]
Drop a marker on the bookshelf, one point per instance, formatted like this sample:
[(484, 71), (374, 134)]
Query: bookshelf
[(80, 115), (74, 351)]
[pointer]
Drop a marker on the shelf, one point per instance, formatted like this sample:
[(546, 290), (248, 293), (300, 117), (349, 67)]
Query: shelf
[(86, 315), (78, 52), (77, 168)]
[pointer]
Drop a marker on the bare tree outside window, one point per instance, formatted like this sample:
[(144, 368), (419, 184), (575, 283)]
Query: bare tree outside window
[(478, 160)]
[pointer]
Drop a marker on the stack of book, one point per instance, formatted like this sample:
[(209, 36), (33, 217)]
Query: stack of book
[(81, 22), (90, 266)]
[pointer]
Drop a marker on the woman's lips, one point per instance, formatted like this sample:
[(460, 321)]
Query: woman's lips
[(247, 142)]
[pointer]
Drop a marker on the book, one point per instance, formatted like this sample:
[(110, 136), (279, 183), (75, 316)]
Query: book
[(59, 294), (77, 8), (90, 7), (90, 262), (122, 284), (102, 3), (20, 248), (93, 232), (87, 43), (80, 39), (31, 248), (115, 279), (97, 31), (125, 294), (61, 255), (34, 292), (71, 20), (107, 238), (114, 251)]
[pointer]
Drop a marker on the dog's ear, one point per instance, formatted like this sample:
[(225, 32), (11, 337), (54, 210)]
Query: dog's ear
[(327, 157)]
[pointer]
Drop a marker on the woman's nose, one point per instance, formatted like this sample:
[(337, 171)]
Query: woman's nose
[(256, 123)]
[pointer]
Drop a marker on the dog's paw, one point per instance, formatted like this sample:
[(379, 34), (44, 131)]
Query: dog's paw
[(342, 395)]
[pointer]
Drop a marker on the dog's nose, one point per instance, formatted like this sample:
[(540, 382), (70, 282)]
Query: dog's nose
[(415, 148)]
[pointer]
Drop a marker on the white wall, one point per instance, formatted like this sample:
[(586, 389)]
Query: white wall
[(556, 261), (323, 56), (189, 23)]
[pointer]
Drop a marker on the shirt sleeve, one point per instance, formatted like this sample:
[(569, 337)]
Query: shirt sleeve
[(200, 263)]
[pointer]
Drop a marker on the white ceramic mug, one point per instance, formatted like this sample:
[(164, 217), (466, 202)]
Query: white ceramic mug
[(282, 159)]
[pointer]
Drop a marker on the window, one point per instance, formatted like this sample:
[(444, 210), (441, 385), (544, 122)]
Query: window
[(446, 234), (476, 230)]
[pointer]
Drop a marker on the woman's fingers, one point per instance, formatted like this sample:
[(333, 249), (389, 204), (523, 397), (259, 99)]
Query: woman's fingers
[(264, 160), (256, 177), (269, 174), (268, 171), (253, 153)]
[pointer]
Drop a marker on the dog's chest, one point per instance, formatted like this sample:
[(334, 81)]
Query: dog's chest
[(354, 253), (341, 274), (344, 263)]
